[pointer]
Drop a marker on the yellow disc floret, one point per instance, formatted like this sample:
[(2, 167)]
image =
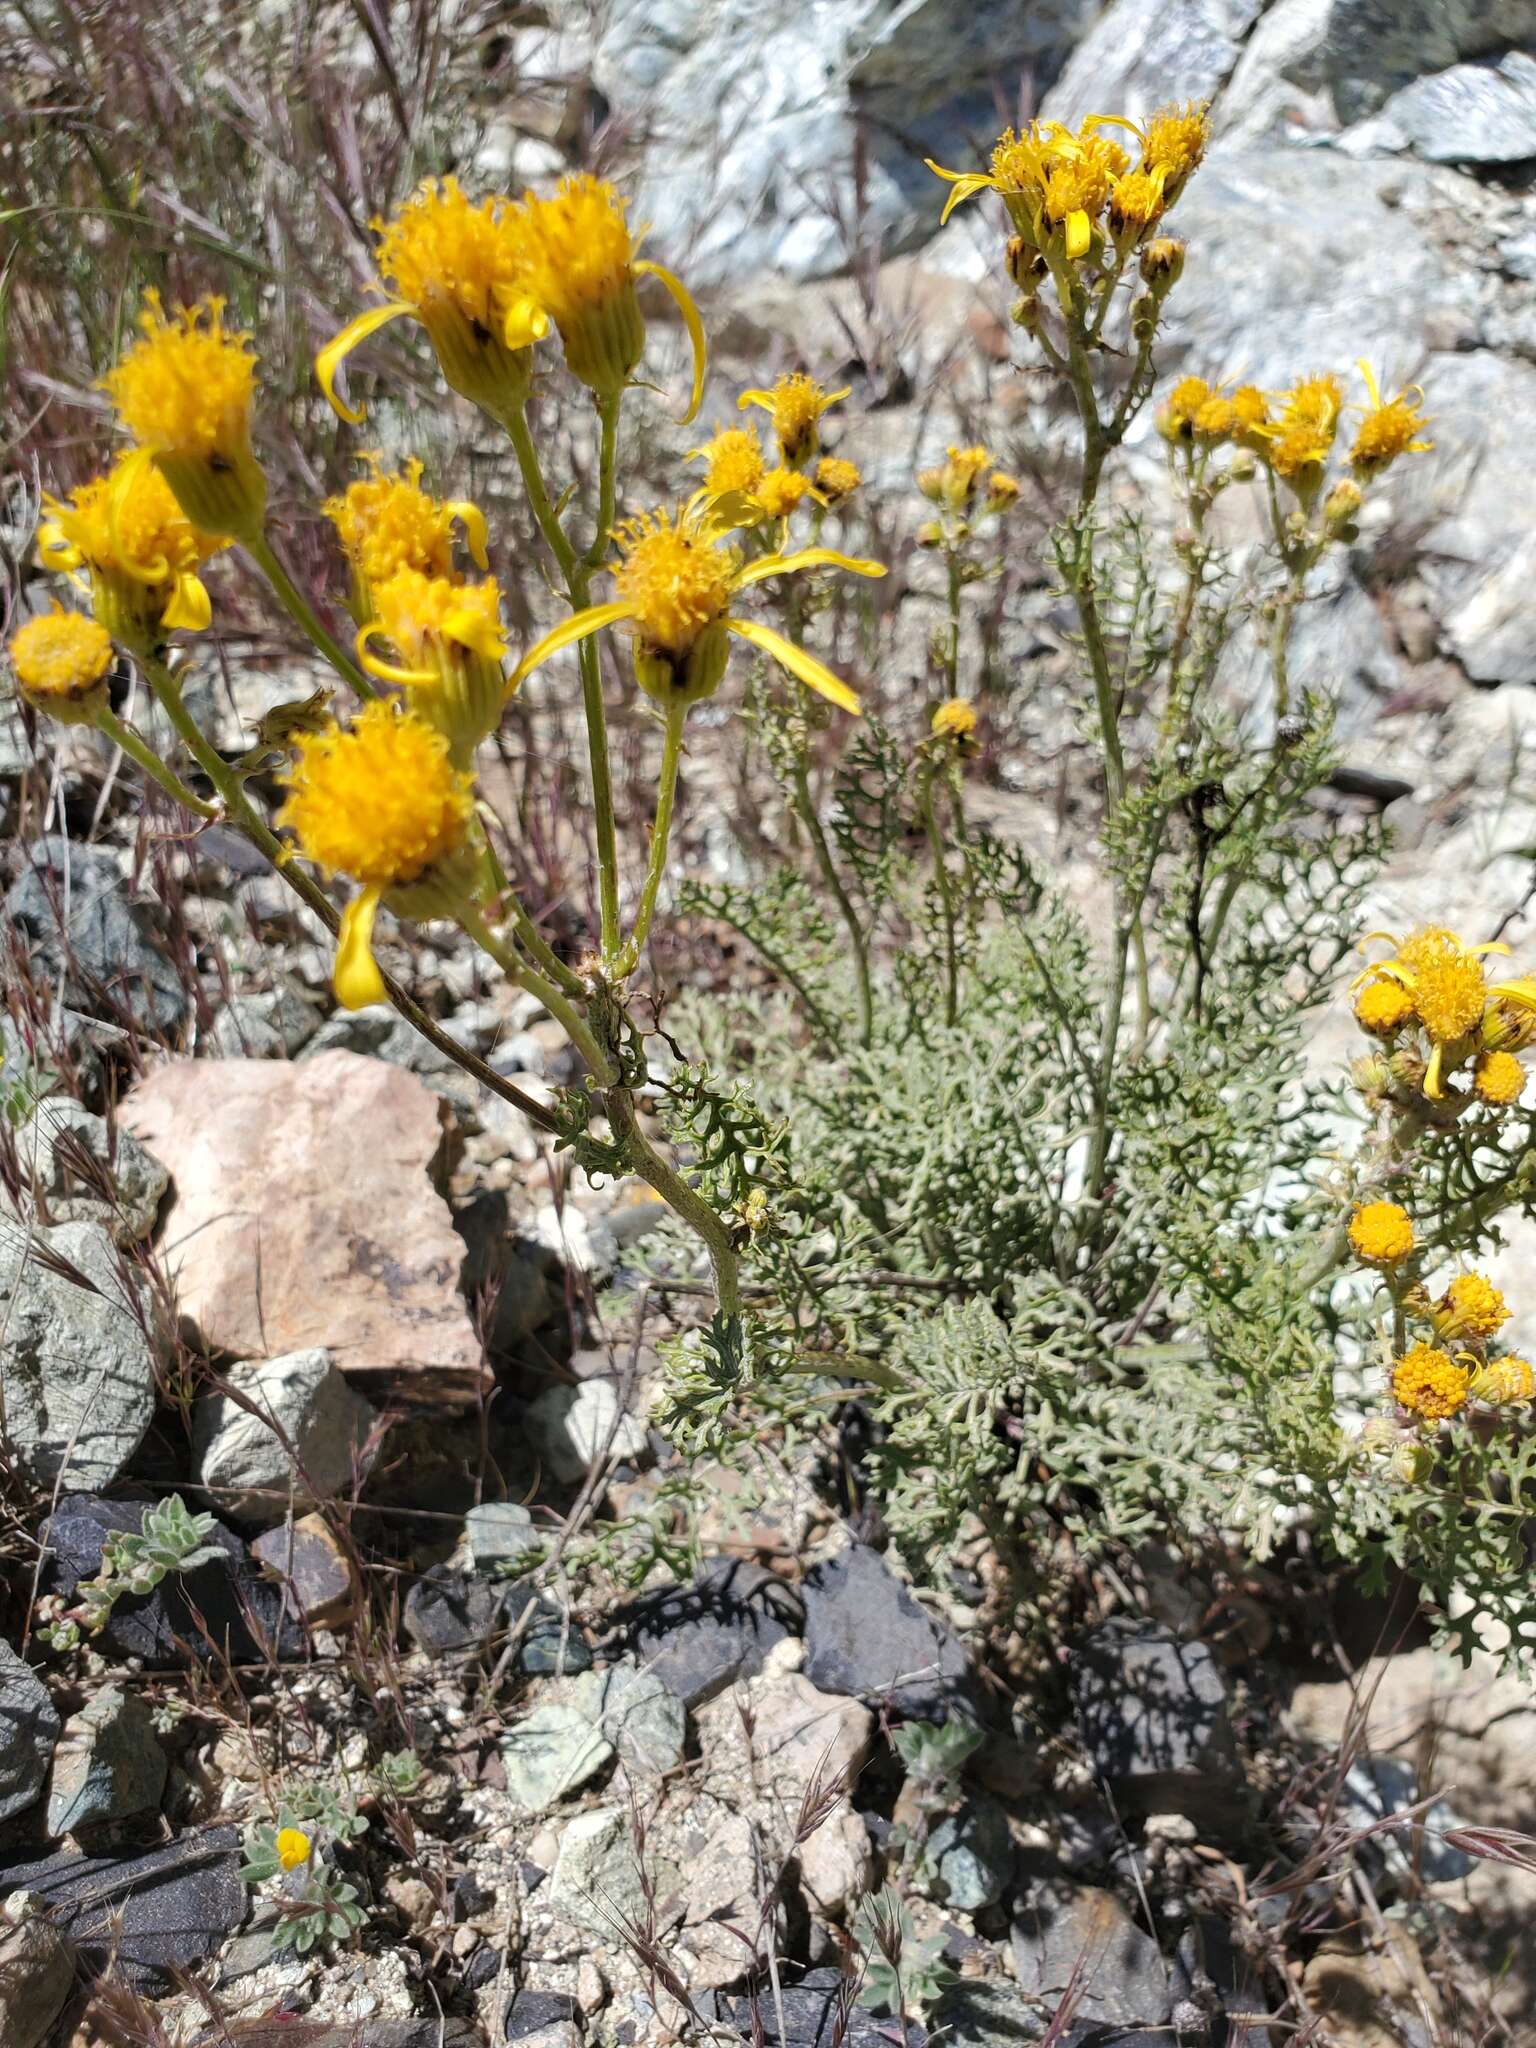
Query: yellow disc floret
[(1381, 1233), (1429, 1382), (1498, 1078), (379, 800), (1470, 1307), (955, 719), (1180, 409), (837, 479), (416, 610), (186, 387), (60, 658), (580, 248), (1449, 991), (387, 522), (676, 581), (735, 462), (796, 403), (1174, 142), (1389, 428), (1383, 1007), (781, 492), (1137, 202), (442, 251)]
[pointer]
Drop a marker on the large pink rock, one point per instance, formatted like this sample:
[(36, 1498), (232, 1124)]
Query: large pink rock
[(303, 1214)]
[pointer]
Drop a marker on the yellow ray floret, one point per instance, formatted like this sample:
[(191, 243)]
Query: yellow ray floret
[(1505, 1381), (419, 614), (141, 551), (1429, 1382), (675, 586)]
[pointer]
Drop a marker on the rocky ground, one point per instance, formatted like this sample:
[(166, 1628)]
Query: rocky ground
[(583, 1746)]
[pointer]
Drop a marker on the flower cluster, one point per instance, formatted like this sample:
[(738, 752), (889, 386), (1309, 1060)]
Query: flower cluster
[(1437, 1017), (745, 490), (968, 485)]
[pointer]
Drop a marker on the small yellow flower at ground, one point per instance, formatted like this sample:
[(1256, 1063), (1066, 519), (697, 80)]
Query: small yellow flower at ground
[(450, 642), (583, 267), (184, 391), (1383, 1007), (462, 269), (386, 522), (293, 1847), (1002, 493), (955, 719), (62, 660), (796, 403), (1390, 428), (675, 588), (1470, 1307), (1498, 1079), (1429, 1382), (837, 479), (382, 802), (1444, 980), (734, 456), (1504, 1381), (129, 533), (1381, 1233)]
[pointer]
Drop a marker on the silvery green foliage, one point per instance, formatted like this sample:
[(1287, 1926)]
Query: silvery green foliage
[(1158, 1358), (170, 1539)]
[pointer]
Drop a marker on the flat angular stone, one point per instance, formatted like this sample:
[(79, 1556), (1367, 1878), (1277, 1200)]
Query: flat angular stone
[(303, 1215), (37, 1972), (1068, 1934), (91, 931), (699, 1639), (29, 1728), (1152, 1715), (76, 1170), (316, 1567), (108, 1764), (551, 1753), (241, 1437), (865, 1634)]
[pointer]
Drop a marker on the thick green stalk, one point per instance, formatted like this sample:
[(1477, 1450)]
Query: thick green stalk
[(675, 1191), (661, 833), (299, 609), (519, 970)]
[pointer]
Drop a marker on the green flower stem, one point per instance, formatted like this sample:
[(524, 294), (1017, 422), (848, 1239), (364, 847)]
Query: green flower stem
[(805, 811), (240, 813), (952, 644), (577, 574), (128, 742), (675, 1191), (299, 609), (608, 411), (517, 969), (661, 833), (534, 943), (929, 809)]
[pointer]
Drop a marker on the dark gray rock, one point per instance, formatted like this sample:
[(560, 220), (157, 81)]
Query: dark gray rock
[(1152, 1715), (452, 1613), (532, 2010), (29, 1728), (1068, 1934), (968, 1858), (166, 1910), (1373, 47), (987, 2015), (227, 1599), (85, 927), (272, 1026), (813, 2018), (77, 1367), (865, 1634), (701, 1638), (108, 1764), (429, 2032)]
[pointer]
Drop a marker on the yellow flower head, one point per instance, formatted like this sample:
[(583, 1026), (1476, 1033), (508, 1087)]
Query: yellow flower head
[(1002, 493), (184, 391), (1429, 1382), (955, 719), (1250, 414), (1498, 1079), (293, 1847), (186, 387), (1300, 440), (1381, 1234), (675, 586), (1470, 1307), (1383, 1007), (450, 643), (61, 661), (387, 522), (735, 462), (1180, 409), (1389, 428), (837, 479), (142, 553), (1214, 420), (1076, 188), (781, 492), (383, 802), (676, 580), (1174, 142), (1137, 202), (796, 403), (1444, 980), (462, 270), (584, 268), (1504, 1381)]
